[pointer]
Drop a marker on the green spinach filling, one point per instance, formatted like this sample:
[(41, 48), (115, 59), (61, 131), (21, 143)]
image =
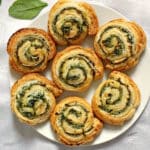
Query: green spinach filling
[(77, 113), (34, 42), (76, 73), (27, 104), (69, 22), (105, 105), (119, 48)]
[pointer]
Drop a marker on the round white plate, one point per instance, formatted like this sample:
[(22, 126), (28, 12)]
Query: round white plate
[(139, 74)]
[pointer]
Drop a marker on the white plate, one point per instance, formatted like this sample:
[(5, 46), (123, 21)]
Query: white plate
[(139, 74)]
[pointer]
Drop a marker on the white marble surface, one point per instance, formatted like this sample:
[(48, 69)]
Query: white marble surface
[(17, 136)]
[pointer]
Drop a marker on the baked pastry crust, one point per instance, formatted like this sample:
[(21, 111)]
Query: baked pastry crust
[(116, 99), (120, 44), (74, 68), (30, 49), (71, 21), (33, 98), (73, 121)]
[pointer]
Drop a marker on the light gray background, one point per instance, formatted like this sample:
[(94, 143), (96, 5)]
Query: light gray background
[(17, 136)]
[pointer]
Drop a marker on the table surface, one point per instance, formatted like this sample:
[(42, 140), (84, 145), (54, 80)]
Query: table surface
[(17, 136)]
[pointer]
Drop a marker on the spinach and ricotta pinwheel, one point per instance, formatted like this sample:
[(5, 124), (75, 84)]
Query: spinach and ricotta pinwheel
[(116, 99), (30, 49), (74, 68), (71, 21), (33, 98), (120, 44), (73, 121)]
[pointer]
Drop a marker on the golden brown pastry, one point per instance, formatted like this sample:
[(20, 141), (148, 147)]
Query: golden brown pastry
[(71, 21), (30, 49), (116, 99), (120, 44), (74, 68), (33, 98), (73, 121)]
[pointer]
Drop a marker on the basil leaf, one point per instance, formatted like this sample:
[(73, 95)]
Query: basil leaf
[(0, 2), (26, 9)]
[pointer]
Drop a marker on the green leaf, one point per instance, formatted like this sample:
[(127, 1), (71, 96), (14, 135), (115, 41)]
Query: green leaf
[(26, 9), (0, 2)]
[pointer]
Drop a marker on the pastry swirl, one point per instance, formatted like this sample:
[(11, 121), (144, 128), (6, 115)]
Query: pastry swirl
[(71, 21), (30, 49), (116, 99), (74, 122), (74, 68), (33, 98), (120, 44)]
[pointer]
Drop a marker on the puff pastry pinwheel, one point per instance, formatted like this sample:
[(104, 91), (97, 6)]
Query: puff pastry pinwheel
[(71, 21), (116, 99), (73, 121), (120, 44), (30, 49), (74, 68), (33, 98)]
